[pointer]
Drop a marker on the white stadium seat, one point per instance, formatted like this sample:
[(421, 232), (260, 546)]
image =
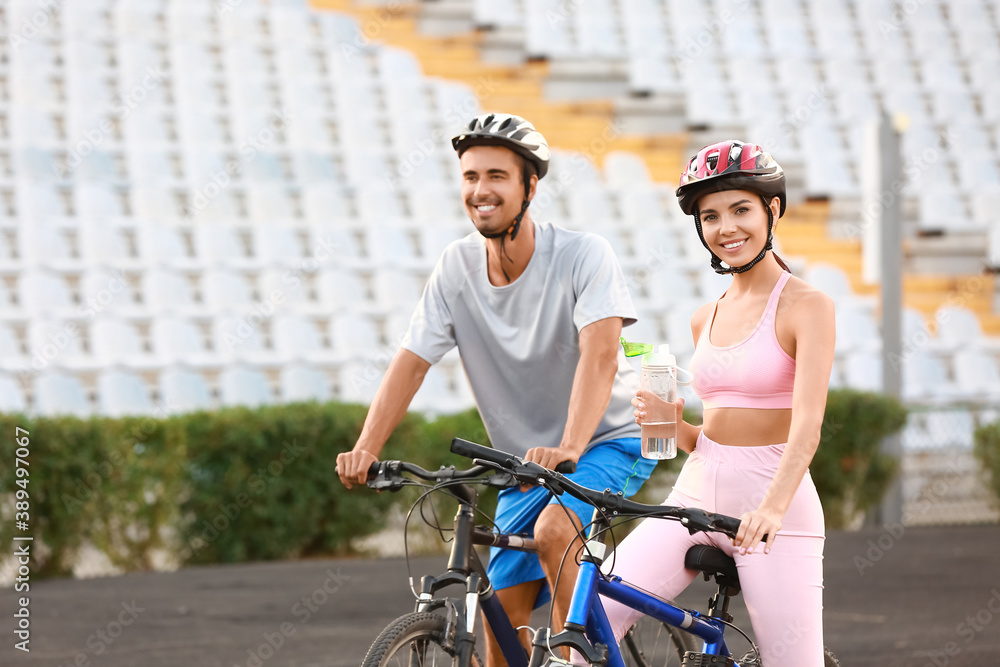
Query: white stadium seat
[(60, 394), (121, 393)]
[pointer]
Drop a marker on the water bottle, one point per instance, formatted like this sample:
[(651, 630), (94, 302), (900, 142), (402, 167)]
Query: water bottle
[(659, 430)]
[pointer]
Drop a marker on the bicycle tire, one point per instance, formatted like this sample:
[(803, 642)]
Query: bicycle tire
[(418, 635), (651, 643)]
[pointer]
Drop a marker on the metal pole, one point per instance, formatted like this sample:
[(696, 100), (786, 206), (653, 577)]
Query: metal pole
[(891, 237)]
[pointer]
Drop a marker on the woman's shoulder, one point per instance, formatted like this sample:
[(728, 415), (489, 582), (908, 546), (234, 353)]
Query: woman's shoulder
[(700, 318), (804, 300)]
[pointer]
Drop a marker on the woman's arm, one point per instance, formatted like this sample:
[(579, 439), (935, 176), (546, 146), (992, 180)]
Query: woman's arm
[(812, 321)]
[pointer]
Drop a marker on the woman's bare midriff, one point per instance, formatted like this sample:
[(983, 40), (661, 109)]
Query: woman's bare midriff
[(747, 427)]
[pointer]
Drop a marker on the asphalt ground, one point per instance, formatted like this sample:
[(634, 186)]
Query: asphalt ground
[(917, 597)]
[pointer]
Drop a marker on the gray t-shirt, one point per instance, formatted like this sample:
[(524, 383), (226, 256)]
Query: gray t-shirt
[(519, 343)]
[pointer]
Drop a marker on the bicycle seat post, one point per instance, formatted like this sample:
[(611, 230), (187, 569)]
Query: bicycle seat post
[(718, 604)]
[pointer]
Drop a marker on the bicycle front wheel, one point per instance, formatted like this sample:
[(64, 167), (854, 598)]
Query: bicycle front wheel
[(650, 643), (415, 640)]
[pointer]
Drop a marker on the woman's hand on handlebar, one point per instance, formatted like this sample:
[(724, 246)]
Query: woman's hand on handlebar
[(352, 466), (754, 526)]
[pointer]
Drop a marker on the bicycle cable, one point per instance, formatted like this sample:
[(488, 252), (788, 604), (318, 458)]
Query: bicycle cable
[(430, 488)]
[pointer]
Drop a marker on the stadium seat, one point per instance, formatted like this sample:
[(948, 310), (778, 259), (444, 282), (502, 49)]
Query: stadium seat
[(224, 288), (315, 167), (44, 292), (357, 381), (161, 244), (104, 289), (236, 336), (277, 244), (326, 204), (12, 399), (60, 394), (114, 340), (103, 244), (121, 393), (394, 288), (339, 288), (297, 338), (178, 340), (159, 204), (301, 383), (164, 290), (183, 390), (925, 378), (244, 386), (138, 20), (284, 287), (857, 330), (830, 279), (92, 201), (30, 126), (863, 371), (44, 244), (354, 335), (269, 202), (219, 244), (958, 328), (976, 372), (436, 396)]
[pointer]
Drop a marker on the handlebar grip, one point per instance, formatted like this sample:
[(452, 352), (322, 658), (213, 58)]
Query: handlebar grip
[(566, 467), (373, 470), (729, 524), (473, 451)]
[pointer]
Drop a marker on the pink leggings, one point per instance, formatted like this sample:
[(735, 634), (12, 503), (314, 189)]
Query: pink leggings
[(783, 589)]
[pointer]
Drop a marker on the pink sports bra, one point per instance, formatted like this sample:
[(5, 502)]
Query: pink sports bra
[(754, 373)]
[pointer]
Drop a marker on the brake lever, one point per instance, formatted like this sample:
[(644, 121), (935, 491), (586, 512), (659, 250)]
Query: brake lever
[(522, 474), (381, 480), (696, 522), (501, 480)]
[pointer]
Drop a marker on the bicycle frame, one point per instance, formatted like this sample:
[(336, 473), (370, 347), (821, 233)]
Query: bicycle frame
[(587, 628), (466, 568)]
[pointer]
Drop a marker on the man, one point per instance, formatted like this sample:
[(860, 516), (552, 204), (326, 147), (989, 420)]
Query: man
[(536, 312)]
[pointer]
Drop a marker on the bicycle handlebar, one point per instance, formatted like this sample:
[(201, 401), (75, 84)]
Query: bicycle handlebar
[(388, 475), (531, 473)]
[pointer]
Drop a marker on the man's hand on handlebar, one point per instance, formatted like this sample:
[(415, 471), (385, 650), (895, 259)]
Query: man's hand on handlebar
[(352, 466), (551, 457)]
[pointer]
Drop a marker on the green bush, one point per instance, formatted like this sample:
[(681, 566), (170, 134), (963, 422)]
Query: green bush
[(987, 449), (241, 485), (850, 471), (262, 484), (112, 482)]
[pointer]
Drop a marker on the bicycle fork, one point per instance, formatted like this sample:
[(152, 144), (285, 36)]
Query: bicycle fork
[(579, 614)]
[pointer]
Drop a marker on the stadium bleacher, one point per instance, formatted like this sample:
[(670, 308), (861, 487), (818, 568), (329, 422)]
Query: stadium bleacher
[(210, 205)]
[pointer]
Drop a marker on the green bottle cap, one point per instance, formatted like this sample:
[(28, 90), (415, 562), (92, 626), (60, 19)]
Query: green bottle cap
[(635, 349)]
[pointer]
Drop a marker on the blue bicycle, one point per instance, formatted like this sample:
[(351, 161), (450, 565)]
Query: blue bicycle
[(697, 639)]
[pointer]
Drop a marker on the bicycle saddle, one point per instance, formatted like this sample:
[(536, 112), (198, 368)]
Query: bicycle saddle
[(711, 561)]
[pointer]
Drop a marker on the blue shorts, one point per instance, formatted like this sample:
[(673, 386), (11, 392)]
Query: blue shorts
[(612, 464)]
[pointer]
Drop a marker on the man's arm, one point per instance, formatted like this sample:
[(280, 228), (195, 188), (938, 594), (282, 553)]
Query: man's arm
[(402, 380), (595, 375)]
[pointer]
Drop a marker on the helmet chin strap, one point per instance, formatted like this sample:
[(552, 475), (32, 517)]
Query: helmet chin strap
[(717, 261), (513, 229)]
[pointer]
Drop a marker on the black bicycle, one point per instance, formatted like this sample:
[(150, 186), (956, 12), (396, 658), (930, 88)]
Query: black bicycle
[(441, 629)]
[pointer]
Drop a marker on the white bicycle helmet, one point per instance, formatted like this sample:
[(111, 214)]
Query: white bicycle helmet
[(508, 130)]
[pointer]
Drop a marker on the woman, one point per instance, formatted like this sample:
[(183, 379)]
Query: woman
[(761, 366)]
